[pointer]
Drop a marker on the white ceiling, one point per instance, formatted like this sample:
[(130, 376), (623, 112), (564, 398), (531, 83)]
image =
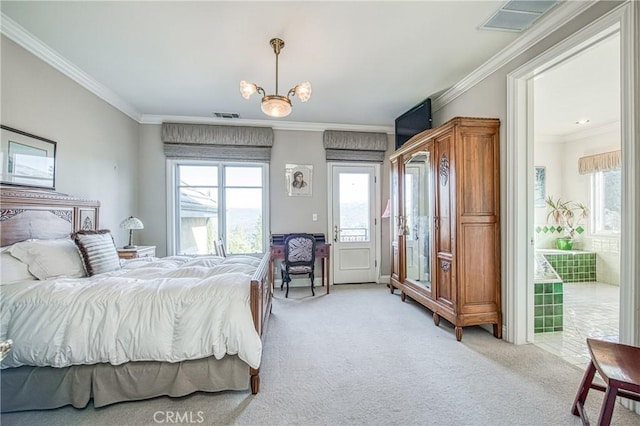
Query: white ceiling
[(368, 61), (586, 87)]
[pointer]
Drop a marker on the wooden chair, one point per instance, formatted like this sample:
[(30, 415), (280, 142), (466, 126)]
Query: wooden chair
[(299, 258), (619, 367)]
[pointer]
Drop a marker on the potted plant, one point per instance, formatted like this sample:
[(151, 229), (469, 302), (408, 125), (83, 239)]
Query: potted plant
[(567, 214)]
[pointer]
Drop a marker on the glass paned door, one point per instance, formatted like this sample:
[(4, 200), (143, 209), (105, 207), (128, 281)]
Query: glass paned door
[(353, 223)]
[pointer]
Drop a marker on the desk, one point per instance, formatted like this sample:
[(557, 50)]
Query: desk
[(323, 251)]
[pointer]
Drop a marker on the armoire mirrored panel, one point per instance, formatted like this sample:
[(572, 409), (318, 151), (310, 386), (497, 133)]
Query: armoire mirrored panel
[(418, 218)]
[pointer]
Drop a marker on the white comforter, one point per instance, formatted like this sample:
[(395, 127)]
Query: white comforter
[(170, 309)]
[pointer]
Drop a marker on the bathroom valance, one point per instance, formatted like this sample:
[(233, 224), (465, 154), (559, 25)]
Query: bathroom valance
[(235, 143), (355, 146), (599, 162)]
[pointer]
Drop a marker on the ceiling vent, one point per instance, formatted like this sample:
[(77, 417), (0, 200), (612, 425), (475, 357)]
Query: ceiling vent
[(517, 15), (226, 115)]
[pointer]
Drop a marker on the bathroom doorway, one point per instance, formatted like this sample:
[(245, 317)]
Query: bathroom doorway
[(576, 151)]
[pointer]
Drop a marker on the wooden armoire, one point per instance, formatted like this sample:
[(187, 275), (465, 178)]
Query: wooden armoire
[(445, 190)]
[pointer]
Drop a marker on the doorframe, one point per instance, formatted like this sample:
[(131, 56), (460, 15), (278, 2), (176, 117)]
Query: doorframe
[(519, 185), (377, 233)]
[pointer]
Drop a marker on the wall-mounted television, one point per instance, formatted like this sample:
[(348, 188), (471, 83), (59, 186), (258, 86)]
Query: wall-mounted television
[(414, 121)]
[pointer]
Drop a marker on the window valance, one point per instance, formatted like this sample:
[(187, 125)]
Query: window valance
[(599, 162), (355, 146), (235, 143)]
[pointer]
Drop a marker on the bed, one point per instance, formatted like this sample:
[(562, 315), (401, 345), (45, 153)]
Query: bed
[(213, 330)]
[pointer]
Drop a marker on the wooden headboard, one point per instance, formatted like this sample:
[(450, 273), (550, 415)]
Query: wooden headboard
[(41, 214)]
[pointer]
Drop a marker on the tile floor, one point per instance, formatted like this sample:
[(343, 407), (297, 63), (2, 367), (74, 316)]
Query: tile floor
[(590, 310)]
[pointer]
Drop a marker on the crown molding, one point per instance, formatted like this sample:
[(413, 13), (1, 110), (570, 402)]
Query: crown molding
[(22, 37), (593, 131), (589, 132), (562, 14), (275, 125)]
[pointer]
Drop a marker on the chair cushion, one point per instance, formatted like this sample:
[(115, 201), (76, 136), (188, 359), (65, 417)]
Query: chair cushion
[(300, 250), (302, 269)]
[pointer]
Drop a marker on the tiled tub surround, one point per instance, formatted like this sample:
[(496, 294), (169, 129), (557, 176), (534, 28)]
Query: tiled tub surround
[(607, 249), (572, 265), (548, 298)]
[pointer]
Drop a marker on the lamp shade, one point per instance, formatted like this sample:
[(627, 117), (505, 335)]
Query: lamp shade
[(131, 223), (276, 106)]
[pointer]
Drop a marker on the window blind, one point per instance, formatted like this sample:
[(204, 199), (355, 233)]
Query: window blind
[(355, 146), (225, 143), (599, 162)]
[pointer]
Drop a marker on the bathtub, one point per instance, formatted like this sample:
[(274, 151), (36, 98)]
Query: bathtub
[(548, 299), (558, 252), (544, 272), (571, 265)]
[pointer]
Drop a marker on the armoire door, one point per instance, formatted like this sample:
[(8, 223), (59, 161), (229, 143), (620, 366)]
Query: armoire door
[(418, 218), (444, 267), (397, 260)]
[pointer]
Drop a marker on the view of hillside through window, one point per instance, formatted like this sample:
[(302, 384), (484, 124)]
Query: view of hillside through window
[(354, 207), (220, 201)]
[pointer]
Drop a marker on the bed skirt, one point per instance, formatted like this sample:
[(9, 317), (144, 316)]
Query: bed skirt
[(40, 388)]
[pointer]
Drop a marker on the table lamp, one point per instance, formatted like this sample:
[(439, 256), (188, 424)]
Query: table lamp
[(131, 223)]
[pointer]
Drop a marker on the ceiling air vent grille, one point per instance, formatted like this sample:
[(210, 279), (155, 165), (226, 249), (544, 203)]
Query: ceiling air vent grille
[(226, 115), (517, 15)]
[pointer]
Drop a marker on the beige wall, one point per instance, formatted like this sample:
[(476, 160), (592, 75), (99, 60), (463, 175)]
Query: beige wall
[(294, 214), (153, 188), (287, 214), (97, 154)]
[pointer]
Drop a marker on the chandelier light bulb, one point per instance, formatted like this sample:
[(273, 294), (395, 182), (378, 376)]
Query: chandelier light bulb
[(303, 90), (247, 89)]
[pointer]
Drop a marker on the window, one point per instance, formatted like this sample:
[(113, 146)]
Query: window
[(606, 199), (214, 200)]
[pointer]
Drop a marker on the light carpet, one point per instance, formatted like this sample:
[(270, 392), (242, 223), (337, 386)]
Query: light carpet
[(360, 356)]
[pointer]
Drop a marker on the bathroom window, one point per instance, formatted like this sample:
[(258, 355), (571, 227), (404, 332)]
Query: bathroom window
[(606, 199)]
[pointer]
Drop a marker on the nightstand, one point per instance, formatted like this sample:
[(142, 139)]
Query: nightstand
[(138, 252)]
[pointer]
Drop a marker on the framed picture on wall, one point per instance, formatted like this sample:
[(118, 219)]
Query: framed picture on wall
[(298, 180), (26, 159), (539, 187)]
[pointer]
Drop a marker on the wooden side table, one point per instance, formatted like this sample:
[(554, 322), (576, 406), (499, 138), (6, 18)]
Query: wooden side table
[(138, 252)]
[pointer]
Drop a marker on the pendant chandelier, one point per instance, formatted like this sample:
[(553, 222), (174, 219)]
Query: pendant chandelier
[(276, 105)]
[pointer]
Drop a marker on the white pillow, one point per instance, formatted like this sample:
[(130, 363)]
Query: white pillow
[(12, 270), (50, 258)]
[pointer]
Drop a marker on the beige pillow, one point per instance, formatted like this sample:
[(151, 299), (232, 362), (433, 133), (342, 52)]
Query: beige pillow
[(50, 258)]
